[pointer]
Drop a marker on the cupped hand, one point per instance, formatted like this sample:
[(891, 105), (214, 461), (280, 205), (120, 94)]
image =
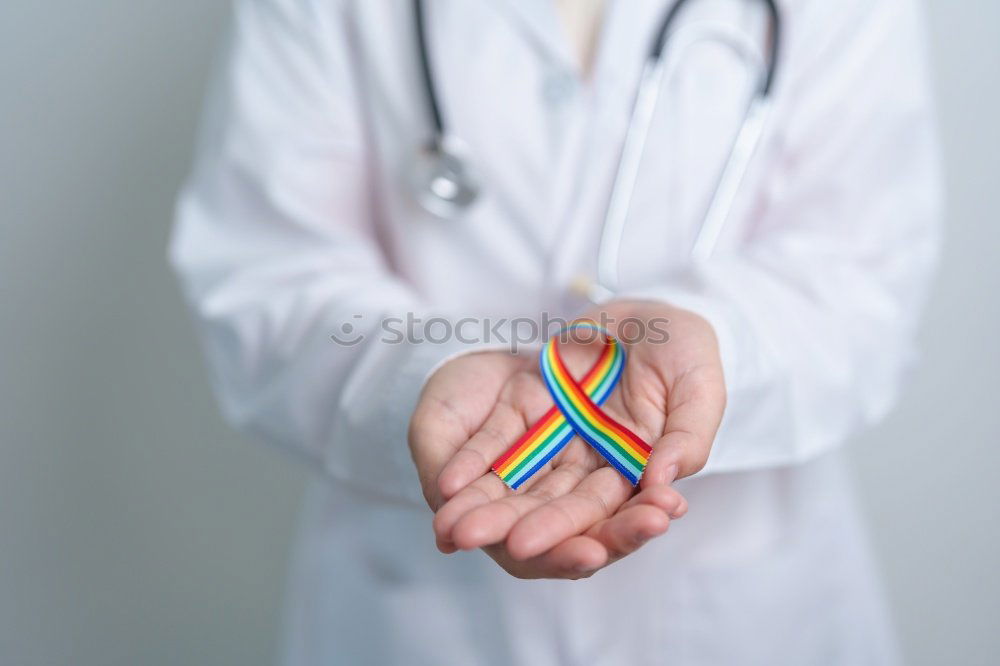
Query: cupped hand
[(576, 514)]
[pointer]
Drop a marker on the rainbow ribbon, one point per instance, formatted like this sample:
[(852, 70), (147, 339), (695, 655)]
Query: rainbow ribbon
[(576, 412)]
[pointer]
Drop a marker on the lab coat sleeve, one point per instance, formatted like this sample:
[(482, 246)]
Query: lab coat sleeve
[(816, 303), (275, 245)]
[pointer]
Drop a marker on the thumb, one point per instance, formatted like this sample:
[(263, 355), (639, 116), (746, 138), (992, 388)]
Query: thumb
[(693, 418)]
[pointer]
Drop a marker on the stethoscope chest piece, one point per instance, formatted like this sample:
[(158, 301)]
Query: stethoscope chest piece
[(443, 180)]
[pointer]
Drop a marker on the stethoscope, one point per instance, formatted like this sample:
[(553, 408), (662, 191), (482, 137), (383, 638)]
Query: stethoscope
[(446, 183)]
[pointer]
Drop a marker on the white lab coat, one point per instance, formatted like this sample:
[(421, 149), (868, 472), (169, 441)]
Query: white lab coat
[(298, 220)]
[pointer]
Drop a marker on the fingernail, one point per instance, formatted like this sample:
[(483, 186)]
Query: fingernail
[(584, 568), (641, 539)]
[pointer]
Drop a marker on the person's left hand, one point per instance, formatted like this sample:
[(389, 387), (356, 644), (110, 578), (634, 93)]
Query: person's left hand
[(579, 510)]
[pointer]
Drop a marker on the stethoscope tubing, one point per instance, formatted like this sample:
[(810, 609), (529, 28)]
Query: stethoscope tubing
[(774, 19), (426, 74)]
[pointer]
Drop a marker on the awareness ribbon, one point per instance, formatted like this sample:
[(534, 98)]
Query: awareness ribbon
[(576, 412)]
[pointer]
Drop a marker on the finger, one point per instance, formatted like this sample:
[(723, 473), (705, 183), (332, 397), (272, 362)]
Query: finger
[(436, 431), (490, 523), (694, 411), (594, 499), (483, 490), (547, 483), (644, 517), (640, 520), (501, 429), (581, 556), (665, 498), (577, 557), (523, 402), (628, 530), (574, 559), (453, 406)]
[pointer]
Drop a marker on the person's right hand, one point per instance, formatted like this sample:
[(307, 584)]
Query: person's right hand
[(485, 402)]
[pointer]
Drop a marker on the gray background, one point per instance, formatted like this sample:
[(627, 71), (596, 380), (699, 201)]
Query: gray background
[(136, 529)]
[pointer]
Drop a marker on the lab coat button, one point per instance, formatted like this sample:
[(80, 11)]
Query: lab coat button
[(558, 88)]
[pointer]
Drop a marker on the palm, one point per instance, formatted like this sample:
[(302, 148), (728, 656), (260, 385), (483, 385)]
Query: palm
[(453, 408)]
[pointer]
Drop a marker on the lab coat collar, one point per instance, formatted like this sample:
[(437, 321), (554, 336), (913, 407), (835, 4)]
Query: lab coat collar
[(542, 27)]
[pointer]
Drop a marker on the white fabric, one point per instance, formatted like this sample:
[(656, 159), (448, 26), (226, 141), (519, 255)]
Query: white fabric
[(298, 220)]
